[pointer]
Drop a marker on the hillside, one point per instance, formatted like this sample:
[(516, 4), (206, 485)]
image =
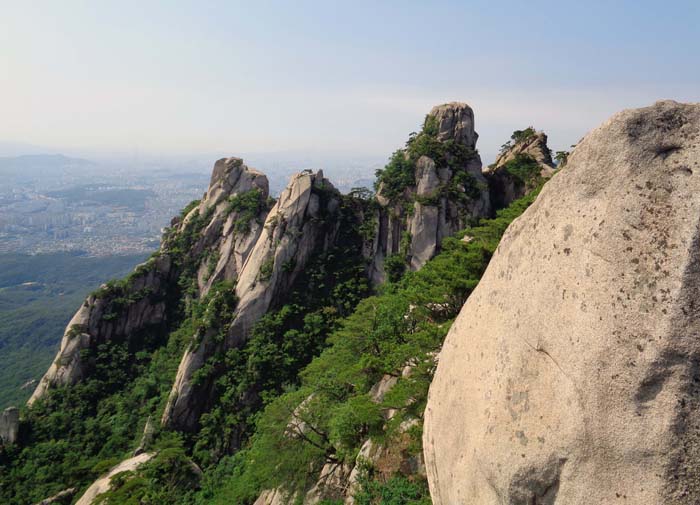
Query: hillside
[(271, 351), (38, 294)]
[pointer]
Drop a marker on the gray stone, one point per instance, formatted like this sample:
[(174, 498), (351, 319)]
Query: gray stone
[(9, 425), (571, 374), (504, 187)]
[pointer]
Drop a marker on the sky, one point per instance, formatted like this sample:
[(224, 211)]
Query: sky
[(348, 78)]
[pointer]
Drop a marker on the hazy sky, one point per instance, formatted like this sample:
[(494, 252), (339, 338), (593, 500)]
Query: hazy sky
[(352, 77)]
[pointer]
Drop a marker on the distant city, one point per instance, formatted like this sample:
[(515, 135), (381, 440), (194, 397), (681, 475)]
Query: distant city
[(51, 203)]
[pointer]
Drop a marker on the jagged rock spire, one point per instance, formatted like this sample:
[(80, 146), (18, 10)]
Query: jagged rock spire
[(455, 123), (295, 228), (124, 310), (446, 190)]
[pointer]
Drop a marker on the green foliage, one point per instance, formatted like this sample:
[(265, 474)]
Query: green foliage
[(281, 343), (267, 268), (352, 422), (399, 173), (561, 157), (188, 208), (167, 478), (525, 169), (361, 193), (523, 135), (395, 266), (66, 435), (396, 491), (247, 206), (518, 137), (74, 433), (329, 414), (38, 296), (294, 396)]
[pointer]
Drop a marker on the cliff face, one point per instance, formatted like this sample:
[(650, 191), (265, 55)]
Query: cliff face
[(429, 190), (570, 375), (301, 223), (236, 256)]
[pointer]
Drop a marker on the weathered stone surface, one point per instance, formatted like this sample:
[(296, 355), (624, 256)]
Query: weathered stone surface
[(295, 228), (221, 240), (60, 497), (571, 373), (455, 122), (415, 224), (9, 425), (534, 146), (102, 484), (273, 497)]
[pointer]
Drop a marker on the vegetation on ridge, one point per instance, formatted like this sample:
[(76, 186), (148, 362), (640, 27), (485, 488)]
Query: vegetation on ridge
[(399, 173), (300, 392), (403, 325)]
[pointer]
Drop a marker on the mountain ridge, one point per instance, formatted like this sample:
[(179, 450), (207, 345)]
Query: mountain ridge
[(245, 291)]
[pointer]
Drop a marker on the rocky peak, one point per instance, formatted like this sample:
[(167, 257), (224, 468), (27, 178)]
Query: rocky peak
[(230, 177), (528, 142), (455, 121), (212, 238), (118, 311), (581, 337), (301, 223), (525, 161), (428, 191)]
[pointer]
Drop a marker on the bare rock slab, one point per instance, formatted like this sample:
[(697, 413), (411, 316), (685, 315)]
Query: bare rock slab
[(572, 374)]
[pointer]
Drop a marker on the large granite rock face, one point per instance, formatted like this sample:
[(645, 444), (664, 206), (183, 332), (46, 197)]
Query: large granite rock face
[(572, 374), (300, 224), (9, 425), (415, 223), (504, 187)]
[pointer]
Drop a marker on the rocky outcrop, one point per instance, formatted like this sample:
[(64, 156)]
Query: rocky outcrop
[(301, 223), (571, 374), (446, 189), (9, 425), (103, 484), (213, 239), (61, 497), (119, 311), (237, 200), (523, 164)]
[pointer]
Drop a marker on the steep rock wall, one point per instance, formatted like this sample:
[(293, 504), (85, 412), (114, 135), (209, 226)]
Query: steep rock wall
[(571, 373)]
